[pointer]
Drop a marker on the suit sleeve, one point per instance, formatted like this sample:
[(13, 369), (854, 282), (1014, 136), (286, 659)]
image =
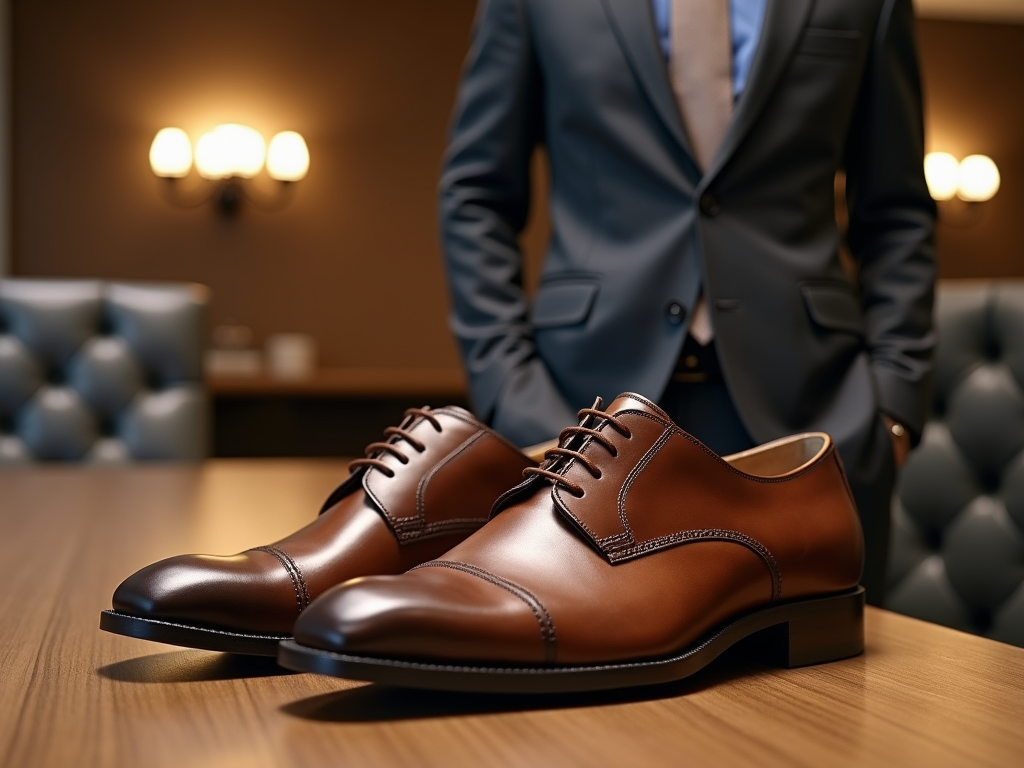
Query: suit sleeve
[(892, 220), (484, 202)]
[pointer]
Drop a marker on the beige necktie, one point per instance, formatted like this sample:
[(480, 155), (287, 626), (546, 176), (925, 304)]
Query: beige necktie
[(700, 62), (700, 66)]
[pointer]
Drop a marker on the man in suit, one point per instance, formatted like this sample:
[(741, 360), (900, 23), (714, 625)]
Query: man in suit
[(702, 270)]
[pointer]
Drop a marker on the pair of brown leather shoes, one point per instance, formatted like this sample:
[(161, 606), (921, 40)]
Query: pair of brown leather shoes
[(414, 497), (633, 555)]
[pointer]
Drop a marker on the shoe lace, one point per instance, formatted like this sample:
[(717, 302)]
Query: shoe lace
[(393, 435), (557, 459)]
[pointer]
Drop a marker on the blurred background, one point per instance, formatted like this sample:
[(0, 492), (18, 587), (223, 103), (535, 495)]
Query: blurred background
[(347, 257)]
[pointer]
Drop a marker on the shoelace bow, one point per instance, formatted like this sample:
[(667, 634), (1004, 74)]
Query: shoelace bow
[(561, 454), (392, 436)]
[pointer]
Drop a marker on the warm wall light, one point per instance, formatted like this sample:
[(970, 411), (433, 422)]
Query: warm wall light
[(941, 171), (227, 155), (170, 154), (230, 150), (287, 157), (974, 179), (978, 179)]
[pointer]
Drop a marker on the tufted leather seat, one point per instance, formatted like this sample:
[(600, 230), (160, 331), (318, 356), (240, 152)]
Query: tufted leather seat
[(958, 522), (101, 372)]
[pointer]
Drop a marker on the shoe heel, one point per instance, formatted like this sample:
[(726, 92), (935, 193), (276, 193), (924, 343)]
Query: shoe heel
[(826, 629)]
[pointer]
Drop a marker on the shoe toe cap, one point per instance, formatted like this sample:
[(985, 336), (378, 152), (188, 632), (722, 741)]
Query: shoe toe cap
[(430, 613), (233, 592)]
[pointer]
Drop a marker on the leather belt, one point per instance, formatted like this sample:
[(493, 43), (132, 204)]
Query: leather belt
[(697, 364)]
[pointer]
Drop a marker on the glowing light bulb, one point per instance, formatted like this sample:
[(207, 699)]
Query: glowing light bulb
[(230, 150), (170, 154), (211, 162), (287, 157), (941, 171), (978, 179)]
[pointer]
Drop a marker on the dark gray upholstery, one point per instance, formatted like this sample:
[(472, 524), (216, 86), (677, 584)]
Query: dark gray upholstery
[(958, 527), (101, 372)]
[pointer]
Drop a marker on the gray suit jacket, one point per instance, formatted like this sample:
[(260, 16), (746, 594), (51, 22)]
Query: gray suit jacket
[(637, 228)]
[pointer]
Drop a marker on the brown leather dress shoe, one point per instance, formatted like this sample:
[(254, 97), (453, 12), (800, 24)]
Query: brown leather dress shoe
[(633, 556), (412, 498)]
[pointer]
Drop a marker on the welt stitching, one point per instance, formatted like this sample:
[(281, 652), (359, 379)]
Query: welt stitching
[(298, 583), (421, 487), (709, 534), (544, 620)]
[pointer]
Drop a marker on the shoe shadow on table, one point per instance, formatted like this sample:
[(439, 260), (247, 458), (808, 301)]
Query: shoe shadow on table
[(190, 667), (378, 703)]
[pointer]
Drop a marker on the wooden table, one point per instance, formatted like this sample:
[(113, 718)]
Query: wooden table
[(71, 695)]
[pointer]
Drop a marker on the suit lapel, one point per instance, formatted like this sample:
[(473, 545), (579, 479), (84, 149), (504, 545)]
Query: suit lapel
[(633, 21), (783, 22)]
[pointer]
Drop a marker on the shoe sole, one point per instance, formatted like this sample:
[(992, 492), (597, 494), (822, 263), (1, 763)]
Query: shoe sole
[(190, 636), (801, 633)]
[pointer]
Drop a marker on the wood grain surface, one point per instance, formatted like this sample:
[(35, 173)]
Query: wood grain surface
[(71, 695)]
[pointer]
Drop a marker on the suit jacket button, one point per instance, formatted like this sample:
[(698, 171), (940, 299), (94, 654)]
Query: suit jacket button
[(709, 204), (675, 312)]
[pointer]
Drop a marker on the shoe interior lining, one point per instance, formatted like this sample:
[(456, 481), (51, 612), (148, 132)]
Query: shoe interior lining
[(781, 457), (775, 459)]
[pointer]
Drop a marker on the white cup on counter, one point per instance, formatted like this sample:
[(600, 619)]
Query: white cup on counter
[(291, 355)]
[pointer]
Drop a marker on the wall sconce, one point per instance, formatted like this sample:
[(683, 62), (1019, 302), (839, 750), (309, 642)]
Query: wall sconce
[(974, 179), (226, 156)]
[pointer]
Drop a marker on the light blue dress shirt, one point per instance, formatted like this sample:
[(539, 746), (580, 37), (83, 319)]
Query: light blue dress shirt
[(746, 17)]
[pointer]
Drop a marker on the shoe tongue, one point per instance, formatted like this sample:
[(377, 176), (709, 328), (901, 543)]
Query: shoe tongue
[(629, 401)]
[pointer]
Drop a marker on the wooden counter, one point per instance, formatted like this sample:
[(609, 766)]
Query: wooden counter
[(71, 695)]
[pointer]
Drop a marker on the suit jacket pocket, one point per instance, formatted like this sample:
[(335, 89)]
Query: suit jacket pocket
[(829, 43), (563, 302), (834, 306)]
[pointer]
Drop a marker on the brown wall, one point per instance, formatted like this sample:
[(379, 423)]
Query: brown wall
[(354, 259), (974, 103)]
